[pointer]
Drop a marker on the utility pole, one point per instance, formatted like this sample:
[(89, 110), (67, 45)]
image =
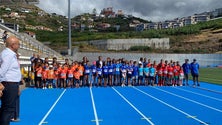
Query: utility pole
[(69, 23)]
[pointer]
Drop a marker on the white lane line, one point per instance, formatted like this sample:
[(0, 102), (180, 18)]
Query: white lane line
[(209, 90), (207, 106), (144, 117), (188, 115), (52, 107), (198, 94), (94, 108)]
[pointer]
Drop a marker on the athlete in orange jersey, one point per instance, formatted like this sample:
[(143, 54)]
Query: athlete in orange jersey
[(56, 78), (74, 65), (44, 77), (160, 75), (181, 76), (165, 72), (62, 76), (176, 75), (76, 74), (81, 70), (51, 76), (70, 76), (170, 74)]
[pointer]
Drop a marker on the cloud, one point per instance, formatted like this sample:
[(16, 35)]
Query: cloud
[(155, 10)]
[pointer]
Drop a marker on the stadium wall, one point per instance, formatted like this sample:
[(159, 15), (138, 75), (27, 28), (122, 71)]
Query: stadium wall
[(125, 44)]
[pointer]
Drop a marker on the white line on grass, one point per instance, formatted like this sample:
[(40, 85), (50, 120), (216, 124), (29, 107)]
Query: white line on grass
[(211, 79), (94, 107), (207, 106), (188, 115), (144, 117), (46, 115), (198, 94)]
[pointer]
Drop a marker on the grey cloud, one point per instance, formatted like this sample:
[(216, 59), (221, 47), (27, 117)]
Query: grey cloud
[(155, 10)]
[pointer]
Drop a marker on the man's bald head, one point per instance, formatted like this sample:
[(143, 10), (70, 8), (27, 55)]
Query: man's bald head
[(12, 43)]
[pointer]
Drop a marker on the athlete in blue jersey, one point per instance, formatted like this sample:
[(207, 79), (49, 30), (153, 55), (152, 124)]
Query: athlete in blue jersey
[(135, 73), (93, 74), (117, 66), (152, 74), (105, 73), (186, 70), (140, 78), (129, 74), (86, 74), (194, 68), (99, 74), (110, 74), (123, 74), (146, 74)]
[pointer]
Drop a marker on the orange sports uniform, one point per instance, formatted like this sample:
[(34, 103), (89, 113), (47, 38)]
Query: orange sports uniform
[(51, 74), (76, 74), (56, 72), (70, 73), (81, 70), (170, 71), (45, 74), (165, 71), (176, 70), (63, 73), (160, 72)]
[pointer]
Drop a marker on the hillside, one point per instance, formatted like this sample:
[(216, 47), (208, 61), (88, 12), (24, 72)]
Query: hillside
[(52, 28), (207, 41), (18, 1)]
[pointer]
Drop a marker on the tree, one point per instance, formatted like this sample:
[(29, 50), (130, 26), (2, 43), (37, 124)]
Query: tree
[(94, 11)]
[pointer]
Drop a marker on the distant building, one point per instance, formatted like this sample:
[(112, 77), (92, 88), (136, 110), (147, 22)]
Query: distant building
[(201, 18), (189, 20), (14, 15), (32, 34), (108, 12), (60, 28), (120, 13), (217, 12), (103, 25), (153, 25)]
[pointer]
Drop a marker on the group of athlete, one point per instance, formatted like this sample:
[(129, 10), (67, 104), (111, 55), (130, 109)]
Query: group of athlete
[(112, 72)]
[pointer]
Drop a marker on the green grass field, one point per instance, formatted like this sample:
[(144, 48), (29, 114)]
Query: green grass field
[(211, 75)]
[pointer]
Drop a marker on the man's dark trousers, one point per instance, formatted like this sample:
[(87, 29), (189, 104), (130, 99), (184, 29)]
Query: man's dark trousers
[(10, 94)]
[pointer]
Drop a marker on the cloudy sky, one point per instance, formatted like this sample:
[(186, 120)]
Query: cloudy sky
[(154, 10)]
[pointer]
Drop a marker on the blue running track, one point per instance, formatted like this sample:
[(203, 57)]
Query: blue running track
[(142, 105)]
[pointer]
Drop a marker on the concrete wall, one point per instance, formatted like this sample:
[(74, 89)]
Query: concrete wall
[(203, 59), (125, 44)]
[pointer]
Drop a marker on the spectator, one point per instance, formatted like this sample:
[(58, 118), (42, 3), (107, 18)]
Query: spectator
[(32, 61), (10, 77), (5, 36)]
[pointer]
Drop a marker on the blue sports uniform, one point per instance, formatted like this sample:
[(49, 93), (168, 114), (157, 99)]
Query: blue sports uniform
[(186, 68), (194, 67)]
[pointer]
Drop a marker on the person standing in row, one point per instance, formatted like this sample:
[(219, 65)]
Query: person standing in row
[(186, 70), (194, 68), (10, 76)]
